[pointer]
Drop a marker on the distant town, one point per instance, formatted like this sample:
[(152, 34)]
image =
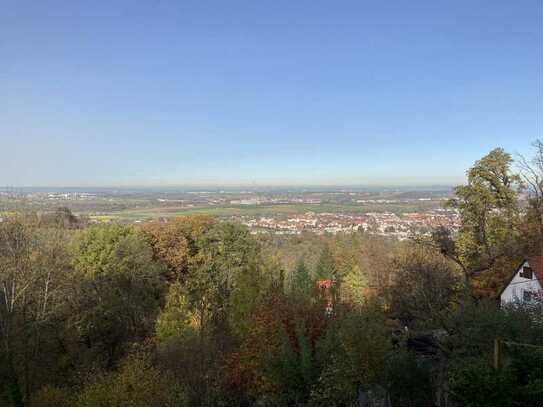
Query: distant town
[(395, 212), (385, 224)]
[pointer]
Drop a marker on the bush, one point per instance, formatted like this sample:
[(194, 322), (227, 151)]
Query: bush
[(136, 384)]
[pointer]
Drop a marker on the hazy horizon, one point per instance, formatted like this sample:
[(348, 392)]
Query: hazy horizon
[(242, 93), (228, 188), (376, 183)]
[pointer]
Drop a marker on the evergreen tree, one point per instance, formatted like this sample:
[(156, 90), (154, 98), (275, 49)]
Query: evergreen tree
[(326, 266), (301, 282)]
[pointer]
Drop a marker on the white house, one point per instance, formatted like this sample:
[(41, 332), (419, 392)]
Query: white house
[(526, 283)]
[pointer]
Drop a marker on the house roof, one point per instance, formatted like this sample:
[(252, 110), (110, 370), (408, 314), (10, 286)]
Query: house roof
[(324, 284), (535, 262)]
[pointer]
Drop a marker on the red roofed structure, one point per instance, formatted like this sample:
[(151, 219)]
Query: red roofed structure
[(526, 283), (324, 284)]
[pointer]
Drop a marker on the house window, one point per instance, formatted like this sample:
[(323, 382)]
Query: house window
[(526, 272), (527, 295)]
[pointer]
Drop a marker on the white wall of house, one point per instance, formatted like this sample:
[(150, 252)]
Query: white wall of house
[(514, 292)]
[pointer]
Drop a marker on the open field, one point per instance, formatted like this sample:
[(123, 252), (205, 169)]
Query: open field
[(143, 205), (134, 214)]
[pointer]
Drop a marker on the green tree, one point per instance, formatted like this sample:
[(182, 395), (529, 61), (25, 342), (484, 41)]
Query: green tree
[(351, 354), (352, 270), (224, 278), (176, 320), (409, 380), (469, 351), (116, 290), (301, 284), (291, 368), (520, 383), (110, 250), (489, 210), (137, 383), (326, 268)]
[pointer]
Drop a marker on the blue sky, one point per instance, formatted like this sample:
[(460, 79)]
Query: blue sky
[(264, 92)]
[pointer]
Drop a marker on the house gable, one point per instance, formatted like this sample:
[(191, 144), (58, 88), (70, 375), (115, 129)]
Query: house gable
[(525, 283)]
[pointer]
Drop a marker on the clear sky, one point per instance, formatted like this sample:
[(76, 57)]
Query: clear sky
[(264, 92)]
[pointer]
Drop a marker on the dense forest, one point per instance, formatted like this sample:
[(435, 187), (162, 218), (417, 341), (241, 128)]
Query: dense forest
[(200, 312)]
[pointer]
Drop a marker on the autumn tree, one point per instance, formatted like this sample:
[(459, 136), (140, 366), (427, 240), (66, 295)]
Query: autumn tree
[(424, 285), (276, 364), (175, 242)]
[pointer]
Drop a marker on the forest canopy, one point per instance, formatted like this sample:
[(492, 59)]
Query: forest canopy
[(200, 312)]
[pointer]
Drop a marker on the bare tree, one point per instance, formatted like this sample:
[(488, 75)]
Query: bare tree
[(531, 171), (31, 262)]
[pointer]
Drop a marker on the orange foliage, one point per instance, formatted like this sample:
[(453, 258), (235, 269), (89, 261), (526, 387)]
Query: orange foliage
[(174, 242), (244, 368)]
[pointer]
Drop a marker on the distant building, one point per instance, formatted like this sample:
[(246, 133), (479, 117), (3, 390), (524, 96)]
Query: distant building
[(246, 202), (525, 285), (324, 284)]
